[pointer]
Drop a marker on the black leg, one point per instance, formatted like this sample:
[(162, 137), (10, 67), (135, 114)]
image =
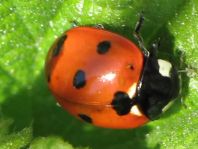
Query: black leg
[(99, 26), (155, 47), (74, 24), (137, 35), (139, 24)]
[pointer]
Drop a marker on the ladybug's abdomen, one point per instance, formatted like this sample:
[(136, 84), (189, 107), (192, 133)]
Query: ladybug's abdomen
[(89, 67)]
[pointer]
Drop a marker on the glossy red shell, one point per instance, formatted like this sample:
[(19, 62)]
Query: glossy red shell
[(117, 70)]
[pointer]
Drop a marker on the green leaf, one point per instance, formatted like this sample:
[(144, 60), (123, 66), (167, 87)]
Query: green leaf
[(29, 112), (50, 143), (16, 140)]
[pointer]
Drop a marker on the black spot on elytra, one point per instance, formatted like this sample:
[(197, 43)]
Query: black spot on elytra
[(131, 66), (59, 45), (103, 47), (121, 103), (85, 118), (79, 79)]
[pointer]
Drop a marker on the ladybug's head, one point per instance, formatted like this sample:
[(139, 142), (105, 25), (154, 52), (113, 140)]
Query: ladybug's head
[(159, 86)]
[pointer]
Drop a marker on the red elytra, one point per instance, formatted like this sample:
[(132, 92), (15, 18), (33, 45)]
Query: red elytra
[(86, 67)]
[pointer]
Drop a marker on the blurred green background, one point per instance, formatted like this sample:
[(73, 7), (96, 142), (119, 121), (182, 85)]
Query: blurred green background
[(29, 116)]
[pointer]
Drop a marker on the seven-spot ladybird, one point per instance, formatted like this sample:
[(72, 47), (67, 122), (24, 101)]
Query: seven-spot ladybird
[(105, 79)]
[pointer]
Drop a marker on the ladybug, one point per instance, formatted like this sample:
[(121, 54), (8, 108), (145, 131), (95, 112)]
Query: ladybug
[(106, 80)]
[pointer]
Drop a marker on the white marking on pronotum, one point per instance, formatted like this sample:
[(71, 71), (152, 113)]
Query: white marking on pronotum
[(135, 111), (132, 90), (164, 67)]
